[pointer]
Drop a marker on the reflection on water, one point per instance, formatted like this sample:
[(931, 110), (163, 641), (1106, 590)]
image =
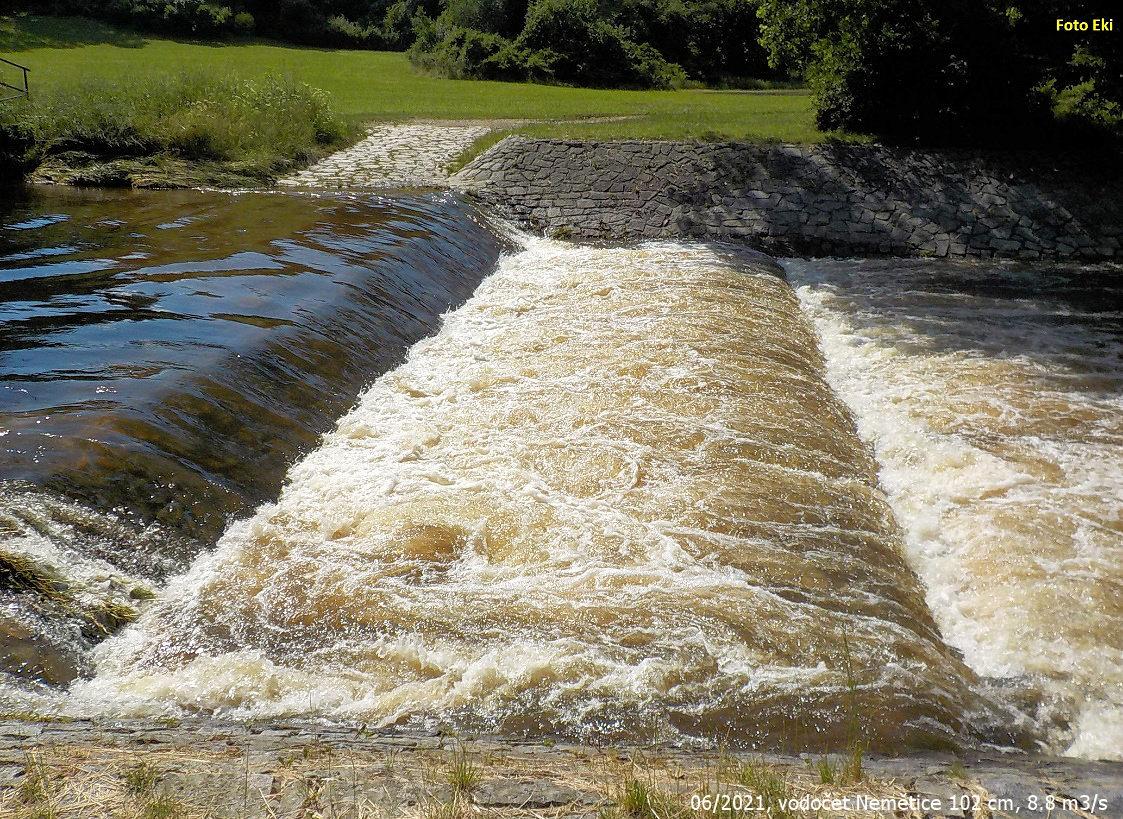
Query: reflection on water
[(613, 494), (165, 356), (171, 353), (994, 399)]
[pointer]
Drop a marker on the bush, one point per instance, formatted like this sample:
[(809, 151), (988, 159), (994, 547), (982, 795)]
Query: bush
[(587, 49), (243, 22), (488, 16), (403, 23), (711, 39), (469, 54), (347, 34), (933, 72)]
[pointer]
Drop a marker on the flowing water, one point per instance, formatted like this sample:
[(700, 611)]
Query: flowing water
[(613, 495), (993, 397), (164, 357), (620, 492)]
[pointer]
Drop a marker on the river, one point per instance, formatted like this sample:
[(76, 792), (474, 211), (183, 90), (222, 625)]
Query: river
[(668, 490)]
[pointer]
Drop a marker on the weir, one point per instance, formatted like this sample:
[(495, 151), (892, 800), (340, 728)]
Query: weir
[(614, 494), (164, 357), (621, 493)]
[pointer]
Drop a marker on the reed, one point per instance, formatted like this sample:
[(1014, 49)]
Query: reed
[(463, 774)]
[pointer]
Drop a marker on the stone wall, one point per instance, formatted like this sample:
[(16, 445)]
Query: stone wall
[(805, 200)]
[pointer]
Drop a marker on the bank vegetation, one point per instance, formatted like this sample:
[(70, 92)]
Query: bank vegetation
[(191, 128)]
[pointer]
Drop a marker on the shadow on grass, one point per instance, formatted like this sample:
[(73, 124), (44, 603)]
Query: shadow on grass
[(23, 32)]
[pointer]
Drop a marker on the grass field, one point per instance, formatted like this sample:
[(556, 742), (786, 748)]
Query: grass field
[(371, 85)]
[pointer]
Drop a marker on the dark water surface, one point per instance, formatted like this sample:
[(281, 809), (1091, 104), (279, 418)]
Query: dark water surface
[(164, 356), (170, 353)]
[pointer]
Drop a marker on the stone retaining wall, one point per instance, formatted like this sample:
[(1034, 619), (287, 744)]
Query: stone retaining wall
[(796, 199)]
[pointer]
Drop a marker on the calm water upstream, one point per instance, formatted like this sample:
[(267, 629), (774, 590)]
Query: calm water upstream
[(617, 491)]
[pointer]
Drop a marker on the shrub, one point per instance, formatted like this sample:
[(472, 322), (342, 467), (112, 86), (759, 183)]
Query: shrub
[(404, 23), (711, 39), (243, 22), (345, 33), (488, 16), (468, 54), (587, 49), (210, 18)]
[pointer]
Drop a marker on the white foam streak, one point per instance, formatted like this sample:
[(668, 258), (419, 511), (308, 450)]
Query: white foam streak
[(998, 426)]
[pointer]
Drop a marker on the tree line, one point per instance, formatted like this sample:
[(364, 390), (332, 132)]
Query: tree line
[(928, 71)]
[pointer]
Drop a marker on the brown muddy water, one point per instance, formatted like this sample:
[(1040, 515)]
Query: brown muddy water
[(993, 397), (618, 493), (164, 357)]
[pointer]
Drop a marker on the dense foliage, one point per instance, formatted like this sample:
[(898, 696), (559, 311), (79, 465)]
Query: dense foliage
[(633, 43), (944, 70)]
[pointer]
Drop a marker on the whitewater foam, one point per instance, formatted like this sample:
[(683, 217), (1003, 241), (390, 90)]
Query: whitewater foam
[(613, 492), (993, 397)]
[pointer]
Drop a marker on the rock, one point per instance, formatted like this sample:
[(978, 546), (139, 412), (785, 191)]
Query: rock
[(950, 795), (11, 775), (532, 794)]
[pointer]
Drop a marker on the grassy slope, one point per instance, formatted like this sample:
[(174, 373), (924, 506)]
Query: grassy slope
[(367, 85)]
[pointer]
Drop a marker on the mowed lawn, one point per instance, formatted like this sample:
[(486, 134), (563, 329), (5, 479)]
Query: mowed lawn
[(377, 85)]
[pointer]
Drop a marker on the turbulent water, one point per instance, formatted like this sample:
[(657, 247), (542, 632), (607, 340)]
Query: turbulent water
[(622, 492), (164, 357), (614, 495), (993, 397)]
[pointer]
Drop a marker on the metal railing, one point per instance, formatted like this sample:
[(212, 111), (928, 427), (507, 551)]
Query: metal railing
[(7, 88)]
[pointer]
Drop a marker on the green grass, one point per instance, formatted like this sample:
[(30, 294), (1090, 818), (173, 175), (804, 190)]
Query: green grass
[(463, 774), (772, 787), (195, 127), (141, 778), (370, 85), (827, 772)]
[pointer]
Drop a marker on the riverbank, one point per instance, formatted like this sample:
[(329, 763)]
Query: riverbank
[(796, 200), (213, 768), (181, 130)]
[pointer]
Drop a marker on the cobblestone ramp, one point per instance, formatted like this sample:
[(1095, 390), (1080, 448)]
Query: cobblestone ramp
[(405, 155)]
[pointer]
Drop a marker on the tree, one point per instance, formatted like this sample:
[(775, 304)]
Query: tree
[(934, 71), (1081, 71)]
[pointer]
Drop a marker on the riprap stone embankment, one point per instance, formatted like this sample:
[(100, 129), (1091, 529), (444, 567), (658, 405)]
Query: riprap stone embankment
[(830, 199)]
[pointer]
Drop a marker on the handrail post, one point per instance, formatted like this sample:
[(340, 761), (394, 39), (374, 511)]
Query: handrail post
[(26, 82)]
